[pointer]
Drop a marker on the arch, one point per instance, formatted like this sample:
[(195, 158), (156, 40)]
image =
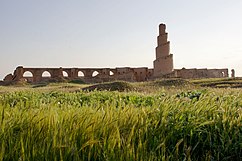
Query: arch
[(223, 74), (81, 74), (27, 74), (65, 74), (111, 73), (46, 74), (95, 73)]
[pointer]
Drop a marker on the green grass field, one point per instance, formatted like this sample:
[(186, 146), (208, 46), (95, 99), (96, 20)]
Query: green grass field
[(159, 120)]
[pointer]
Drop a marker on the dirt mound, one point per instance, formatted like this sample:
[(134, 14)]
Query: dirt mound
[(171, 82), (111, 86)]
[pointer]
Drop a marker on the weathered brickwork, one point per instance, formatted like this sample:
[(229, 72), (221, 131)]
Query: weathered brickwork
[(90, 75), (163, 63)]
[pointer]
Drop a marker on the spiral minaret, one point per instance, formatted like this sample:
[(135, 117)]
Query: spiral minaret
[(163, 63)]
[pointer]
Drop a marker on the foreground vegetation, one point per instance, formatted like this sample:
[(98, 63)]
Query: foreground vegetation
[(62, 122)]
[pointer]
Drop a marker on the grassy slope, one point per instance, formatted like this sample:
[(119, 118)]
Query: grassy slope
[(160, 120), (219, 82)]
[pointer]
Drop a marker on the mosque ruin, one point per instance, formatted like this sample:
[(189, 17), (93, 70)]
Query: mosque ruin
[(163, 68)]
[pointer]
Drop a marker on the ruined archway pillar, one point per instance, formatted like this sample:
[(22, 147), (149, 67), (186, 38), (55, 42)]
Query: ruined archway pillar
[(56, 73), (233, 73), (74, 73), (88, 73), (37, 76), (18, 73)]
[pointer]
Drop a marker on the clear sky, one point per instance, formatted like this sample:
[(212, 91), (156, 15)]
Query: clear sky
[(117, 33)]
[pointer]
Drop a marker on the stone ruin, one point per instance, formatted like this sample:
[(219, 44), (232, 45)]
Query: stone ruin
[(163, 68), (89, 75)]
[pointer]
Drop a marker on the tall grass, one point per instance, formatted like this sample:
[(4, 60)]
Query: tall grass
[(197, 125)]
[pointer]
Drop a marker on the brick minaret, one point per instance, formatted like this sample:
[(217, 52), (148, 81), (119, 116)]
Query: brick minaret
[(163, 63)]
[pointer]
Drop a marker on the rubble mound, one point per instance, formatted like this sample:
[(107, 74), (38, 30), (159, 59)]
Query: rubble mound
[(110, 86), (171, 82)]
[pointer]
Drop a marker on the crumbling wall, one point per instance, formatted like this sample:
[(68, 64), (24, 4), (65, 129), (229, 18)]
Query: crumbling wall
[(140, 74), (102, 74), (107, 74), (201, 73), (8, 77)]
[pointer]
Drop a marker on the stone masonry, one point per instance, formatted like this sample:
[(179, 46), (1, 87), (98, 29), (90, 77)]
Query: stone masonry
[(163, 63)]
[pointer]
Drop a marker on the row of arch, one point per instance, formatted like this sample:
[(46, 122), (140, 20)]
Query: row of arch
[(47, 74)]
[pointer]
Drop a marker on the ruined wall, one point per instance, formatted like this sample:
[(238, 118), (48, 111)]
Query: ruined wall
[(201, 73), (89, 75), (142, 74)]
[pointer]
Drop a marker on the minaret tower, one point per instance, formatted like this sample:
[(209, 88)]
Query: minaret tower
[(163, 63)]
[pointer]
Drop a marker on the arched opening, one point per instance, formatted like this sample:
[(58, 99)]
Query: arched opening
[(223, 74), (80, 74), (65, 74), (111, 73), (46, 74), (94, 74), (27, 74)]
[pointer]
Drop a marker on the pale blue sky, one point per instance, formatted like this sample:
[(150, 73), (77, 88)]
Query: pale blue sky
[(112, 33)]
